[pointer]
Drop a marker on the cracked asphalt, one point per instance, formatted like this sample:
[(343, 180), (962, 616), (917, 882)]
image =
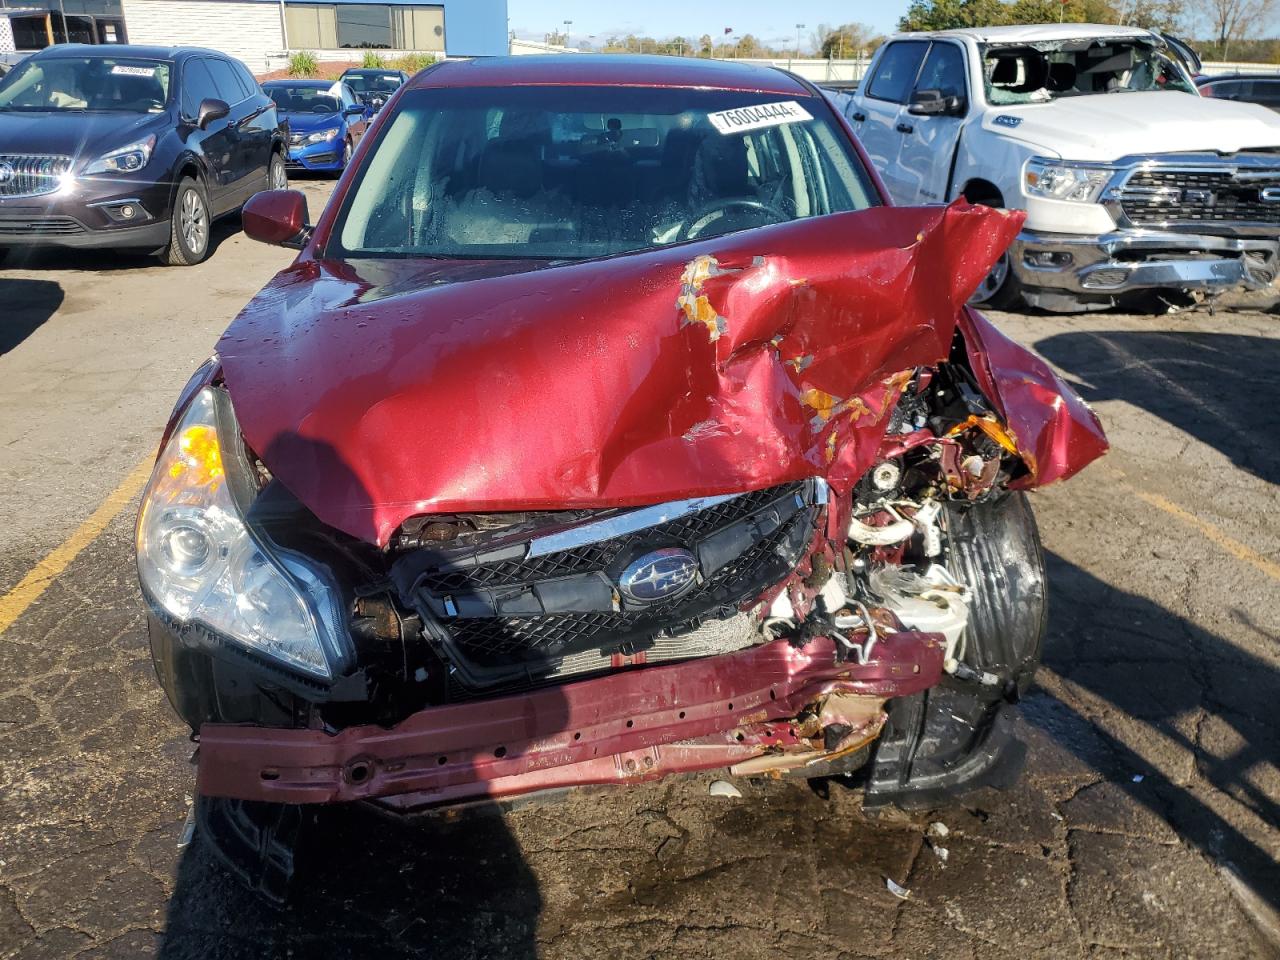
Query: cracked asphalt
[(1147, 824)]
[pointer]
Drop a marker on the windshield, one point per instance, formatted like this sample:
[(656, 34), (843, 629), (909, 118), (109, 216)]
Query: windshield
[(128, 85), (304, 99), (572, 172), (1019, 74), (372, 83)]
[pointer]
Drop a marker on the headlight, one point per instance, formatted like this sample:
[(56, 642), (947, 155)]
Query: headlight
[(323, 135), (1059, 180), (201, 564), (128, 159)]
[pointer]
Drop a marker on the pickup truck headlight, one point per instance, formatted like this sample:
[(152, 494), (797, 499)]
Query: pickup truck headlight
[(128, 159), (199, 562), (1061, 180), (322, 135)]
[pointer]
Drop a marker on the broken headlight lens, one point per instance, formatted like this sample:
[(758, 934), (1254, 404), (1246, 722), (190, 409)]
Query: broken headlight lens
[(1059, 180), (202, 565)]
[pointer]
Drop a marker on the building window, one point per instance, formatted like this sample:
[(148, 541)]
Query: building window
[(365, 26)]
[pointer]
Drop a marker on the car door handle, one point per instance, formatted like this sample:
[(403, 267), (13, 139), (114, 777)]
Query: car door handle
[(905, 128), (859, 117)]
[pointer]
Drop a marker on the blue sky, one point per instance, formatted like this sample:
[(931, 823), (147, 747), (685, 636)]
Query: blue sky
[(773, 21)]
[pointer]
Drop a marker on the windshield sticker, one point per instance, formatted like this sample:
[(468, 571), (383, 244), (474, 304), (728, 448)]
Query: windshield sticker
[(753, 118), (1004, 120), (123, 71)]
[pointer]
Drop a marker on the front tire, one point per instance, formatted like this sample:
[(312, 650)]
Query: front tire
[(346, 158), (189, 226), (1000, 289), (956, 737)]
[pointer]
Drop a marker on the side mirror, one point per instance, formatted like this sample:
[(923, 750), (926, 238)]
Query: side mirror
[(355, 111), (277, 217), (211, 110), (936, 103)]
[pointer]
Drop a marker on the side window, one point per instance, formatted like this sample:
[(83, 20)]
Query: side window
[(943, 70), (348, 98), (197, 85), (896, 73), (229, 86), (1267, 93), (246, 78)]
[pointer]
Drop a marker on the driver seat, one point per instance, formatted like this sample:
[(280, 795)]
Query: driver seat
[(720, 170)]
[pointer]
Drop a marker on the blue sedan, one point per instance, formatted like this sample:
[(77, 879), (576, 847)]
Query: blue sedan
[(326, 121)]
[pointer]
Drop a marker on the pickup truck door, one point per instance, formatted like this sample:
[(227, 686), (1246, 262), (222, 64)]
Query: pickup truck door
[(879, 108), (929, 141)]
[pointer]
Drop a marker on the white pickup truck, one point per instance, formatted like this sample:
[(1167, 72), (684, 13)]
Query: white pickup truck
[(1130, 180)]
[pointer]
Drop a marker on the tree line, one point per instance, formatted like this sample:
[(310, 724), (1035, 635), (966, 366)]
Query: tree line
[(1246, 30)]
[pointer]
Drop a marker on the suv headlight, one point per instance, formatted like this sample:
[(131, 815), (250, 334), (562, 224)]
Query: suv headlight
[(322, 135), (200, 563), (1061, 180), (128, 159)]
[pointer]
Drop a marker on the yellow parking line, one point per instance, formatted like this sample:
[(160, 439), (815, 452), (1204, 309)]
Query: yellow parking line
[(1232, 546), (14, 603)]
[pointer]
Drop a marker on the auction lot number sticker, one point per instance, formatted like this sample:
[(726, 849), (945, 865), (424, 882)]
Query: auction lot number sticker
[(753, 118)]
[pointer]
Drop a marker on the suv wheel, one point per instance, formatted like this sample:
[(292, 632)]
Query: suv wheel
[(346, 157), (189, 230), (277, 175)]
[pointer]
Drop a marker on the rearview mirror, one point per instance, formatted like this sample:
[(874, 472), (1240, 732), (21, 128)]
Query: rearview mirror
[(936, 103), (211, 110), (277, 217)]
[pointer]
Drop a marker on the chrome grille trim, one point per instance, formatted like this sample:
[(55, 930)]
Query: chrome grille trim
[(31, 175), (1226, 194)]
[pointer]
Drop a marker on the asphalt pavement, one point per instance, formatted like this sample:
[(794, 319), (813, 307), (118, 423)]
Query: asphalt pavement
[(1147, 824)]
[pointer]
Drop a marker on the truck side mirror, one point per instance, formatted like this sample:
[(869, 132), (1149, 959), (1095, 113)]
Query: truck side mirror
[(936, 103)]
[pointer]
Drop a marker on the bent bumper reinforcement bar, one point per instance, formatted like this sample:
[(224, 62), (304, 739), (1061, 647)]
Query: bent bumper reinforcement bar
[(1137, 259), (631, 726)]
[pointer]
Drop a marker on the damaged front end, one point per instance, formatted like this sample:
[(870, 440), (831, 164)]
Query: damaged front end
[(687, 509)]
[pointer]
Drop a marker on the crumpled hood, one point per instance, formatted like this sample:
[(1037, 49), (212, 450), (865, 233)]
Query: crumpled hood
[(1110, 126), (85, 136), (311, 122), (379, 390)]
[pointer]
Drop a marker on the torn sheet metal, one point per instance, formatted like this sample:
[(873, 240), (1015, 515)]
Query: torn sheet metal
[(1054, 430), (379, 390)]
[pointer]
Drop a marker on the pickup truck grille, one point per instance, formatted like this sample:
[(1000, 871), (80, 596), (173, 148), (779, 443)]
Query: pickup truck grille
[(502, 614), (1188, 197), (23, 175)]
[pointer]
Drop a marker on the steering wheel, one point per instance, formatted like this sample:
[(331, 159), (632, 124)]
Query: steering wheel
[(705, 213)]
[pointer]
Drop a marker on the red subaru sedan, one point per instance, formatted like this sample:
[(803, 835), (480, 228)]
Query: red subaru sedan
[(609, 424)]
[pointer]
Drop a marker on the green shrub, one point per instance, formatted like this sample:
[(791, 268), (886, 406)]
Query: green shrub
[(303, 64), (372, 61), (413, 62)]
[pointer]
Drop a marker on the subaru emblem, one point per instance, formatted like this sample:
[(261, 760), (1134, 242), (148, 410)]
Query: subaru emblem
[(659, 575)]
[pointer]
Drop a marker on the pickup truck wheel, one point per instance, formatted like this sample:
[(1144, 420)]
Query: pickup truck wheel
[(1000, 289)]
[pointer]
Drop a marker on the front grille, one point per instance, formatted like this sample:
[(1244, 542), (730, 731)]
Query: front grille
[(40, 226), (1201, 197), (23, 175), (503, 615)]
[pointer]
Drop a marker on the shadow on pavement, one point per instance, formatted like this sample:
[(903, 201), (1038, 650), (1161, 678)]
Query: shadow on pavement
[(367, 886), (27, 305), (1179, 691), (1217, 387), (106, 260)]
